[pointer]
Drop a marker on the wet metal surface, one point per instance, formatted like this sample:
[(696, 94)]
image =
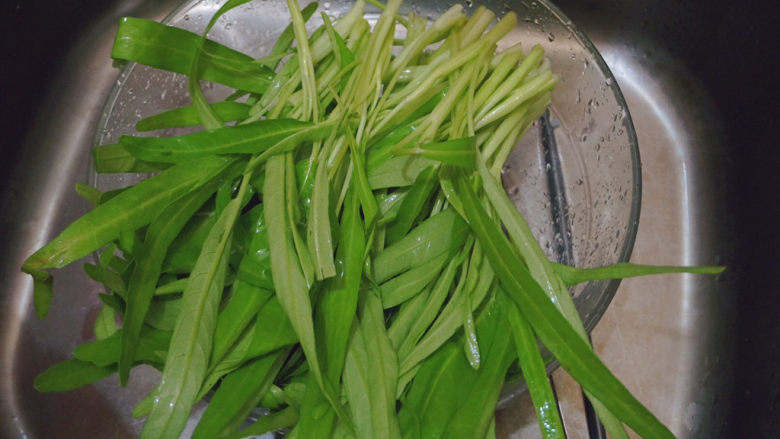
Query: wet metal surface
[(665, 336), (671, 339)]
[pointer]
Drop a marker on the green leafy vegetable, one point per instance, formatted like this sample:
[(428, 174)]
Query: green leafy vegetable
[(551, 327), (243, 139), (185, 367), (129, 210), (237, 396), (573, 276), (334, 244), (169, 48), (69, 375), (229, 111), (159, 236), (535, 376)]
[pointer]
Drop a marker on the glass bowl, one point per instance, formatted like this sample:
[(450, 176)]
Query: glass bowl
[(575, 175)]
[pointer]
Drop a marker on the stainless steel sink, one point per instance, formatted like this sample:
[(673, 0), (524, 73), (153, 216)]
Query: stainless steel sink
[(702, 353)]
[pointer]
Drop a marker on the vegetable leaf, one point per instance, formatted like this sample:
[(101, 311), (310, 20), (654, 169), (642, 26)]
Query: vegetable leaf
[(237, 396), (251, 138), (169, 48), (133, 208), (573, 276), (191, 343), (552, 328), (159, 236), (535, 375), (69, 375), (227, 111), (456, 152)]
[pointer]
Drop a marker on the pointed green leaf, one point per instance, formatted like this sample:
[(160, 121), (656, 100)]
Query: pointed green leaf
[(381, 368), (398, 171), (228, 111), (236, 397), (291, 288), (456, 152), (115, 159), (141, 286), (478, 401), (434, 236), (191, 343), (243, 306), (129, 210), (70, 375), (622, 270), (169, 48), (553, 329), (412, 205), (535, 375), (338, 302), (251, 138)]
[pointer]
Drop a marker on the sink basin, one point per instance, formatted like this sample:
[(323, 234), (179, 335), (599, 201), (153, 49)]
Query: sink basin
[(701, 353)]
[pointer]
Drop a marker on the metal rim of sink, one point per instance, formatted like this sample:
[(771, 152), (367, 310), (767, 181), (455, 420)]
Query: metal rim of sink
[(643, 138)]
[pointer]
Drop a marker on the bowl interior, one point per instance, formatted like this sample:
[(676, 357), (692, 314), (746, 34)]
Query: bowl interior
[(574, 175)]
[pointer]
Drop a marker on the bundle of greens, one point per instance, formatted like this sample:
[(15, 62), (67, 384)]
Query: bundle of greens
[(343, 255)]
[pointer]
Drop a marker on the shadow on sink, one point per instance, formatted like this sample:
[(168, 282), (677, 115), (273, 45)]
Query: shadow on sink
[(699, 76)]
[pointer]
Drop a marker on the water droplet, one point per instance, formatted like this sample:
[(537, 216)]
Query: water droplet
[(550, 37), (584, 138), (598, 147), (186, 17)]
